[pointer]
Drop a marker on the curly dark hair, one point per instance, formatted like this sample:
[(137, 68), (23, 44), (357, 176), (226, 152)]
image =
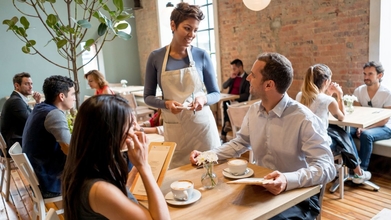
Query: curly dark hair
[(54, 85), (184, 11)]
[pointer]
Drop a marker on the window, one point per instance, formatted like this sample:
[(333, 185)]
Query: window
[(206, 37), (379, 35)]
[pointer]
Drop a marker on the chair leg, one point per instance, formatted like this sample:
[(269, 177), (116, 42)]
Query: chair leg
[(370, 184), (7, 192), (2, 179)]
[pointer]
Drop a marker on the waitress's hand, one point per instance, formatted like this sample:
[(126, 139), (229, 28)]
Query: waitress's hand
[(198, 103), (172, 106)]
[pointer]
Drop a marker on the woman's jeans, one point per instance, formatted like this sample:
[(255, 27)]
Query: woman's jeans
[(367, 138)]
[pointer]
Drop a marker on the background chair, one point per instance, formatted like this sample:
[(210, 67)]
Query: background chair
[(23, 163), (52, 215), (236, 115), (143, 113), (6, 168)]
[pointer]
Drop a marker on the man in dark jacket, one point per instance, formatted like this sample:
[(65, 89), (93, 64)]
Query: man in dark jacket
[(16, 110), (238, 85)]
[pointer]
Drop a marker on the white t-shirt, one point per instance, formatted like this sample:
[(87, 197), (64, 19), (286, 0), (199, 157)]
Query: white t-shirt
[(320, 107), (381, 99)]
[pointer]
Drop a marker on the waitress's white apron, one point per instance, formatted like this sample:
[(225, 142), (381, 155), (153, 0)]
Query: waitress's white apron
[(188, 130)]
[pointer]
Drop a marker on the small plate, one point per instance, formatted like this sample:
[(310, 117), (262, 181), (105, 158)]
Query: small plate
[(170, 198), (231, 176)]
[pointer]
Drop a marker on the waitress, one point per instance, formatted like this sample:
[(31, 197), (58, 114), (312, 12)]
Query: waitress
[(182, 70)]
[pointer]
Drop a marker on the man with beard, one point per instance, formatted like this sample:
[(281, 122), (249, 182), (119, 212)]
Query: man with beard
[(16, 110), (372, 94)]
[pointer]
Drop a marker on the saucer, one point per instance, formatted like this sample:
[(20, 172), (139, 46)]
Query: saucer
[(231, 176), (170, 198)]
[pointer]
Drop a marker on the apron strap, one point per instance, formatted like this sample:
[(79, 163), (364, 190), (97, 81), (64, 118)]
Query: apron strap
[(165, 60)]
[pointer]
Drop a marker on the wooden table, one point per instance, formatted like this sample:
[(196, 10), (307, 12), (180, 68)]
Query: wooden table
[(232, 201), (362, 117), (128, 89), (224, 97)]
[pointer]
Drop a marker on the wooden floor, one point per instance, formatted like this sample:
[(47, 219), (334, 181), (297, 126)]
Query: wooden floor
[(359, 202)]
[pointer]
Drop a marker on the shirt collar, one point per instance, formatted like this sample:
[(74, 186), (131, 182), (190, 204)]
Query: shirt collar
[(279, 108), (25, 99)]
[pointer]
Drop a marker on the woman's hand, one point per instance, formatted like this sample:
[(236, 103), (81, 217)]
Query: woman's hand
[(335, 88), (172, 106), (198, 103), (138, 149)]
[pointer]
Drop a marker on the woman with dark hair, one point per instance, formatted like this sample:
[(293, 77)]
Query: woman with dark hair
[(97, 81), (182, 70), (316, 94), (94, 184)]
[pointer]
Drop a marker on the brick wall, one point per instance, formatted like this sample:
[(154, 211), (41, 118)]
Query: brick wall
[(333, 32)]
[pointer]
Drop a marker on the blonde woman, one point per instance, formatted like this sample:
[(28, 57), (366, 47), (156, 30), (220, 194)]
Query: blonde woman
[(97, 81), (316, 94)]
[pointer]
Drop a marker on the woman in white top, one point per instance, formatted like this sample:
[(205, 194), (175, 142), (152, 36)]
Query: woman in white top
[(316, 94)]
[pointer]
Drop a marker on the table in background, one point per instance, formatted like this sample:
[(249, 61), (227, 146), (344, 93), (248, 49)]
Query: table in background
[(362, 117), (127, 89), (224, 97), (155, 137), (232, 201)]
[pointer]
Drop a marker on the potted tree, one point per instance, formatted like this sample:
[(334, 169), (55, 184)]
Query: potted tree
[(92, 22)]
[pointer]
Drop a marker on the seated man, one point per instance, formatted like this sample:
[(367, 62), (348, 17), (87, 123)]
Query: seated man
[(284, 135), (372, 94), (16, 110), (46, 136), (238, 85)]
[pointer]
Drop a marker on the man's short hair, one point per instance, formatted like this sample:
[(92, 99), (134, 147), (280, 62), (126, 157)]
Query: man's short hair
[(18, 77), (237, 62), (55, 85), (277, 68)]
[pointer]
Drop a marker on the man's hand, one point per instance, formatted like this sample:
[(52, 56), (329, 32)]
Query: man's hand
[(278, 184), (193, 155), (359, 131), (234, 75), (37, 97)]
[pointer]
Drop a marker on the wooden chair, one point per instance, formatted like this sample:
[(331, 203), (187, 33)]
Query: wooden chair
[(52, 215), (23, 163), (6, 168), (142, 112), (236, 115)]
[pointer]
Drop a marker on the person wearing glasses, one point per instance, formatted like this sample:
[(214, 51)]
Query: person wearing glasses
[(372, 94)]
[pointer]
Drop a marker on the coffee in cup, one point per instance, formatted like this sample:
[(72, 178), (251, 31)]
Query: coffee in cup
[(182, 189), (237, 166)]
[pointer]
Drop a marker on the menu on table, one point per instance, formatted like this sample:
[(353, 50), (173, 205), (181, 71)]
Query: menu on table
[(159, 158)]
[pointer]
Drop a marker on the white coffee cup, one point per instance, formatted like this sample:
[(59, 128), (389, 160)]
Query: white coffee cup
[(237, 166), (182, 189)]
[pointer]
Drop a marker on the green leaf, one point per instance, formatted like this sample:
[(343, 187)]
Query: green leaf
[(102, 29), (124, 35), (84, 23), (106, 8), (119, 4), (122, 26), (11, 23), (30, 43), (61, 43), (51, 20), (88, 44), (23, 1), (79, 2), (51, 1), (21, 31), (123, 17), (25, 49), (25, 22)]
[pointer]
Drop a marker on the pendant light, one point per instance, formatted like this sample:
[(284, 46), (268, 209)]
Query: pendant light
[(256, 5)]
